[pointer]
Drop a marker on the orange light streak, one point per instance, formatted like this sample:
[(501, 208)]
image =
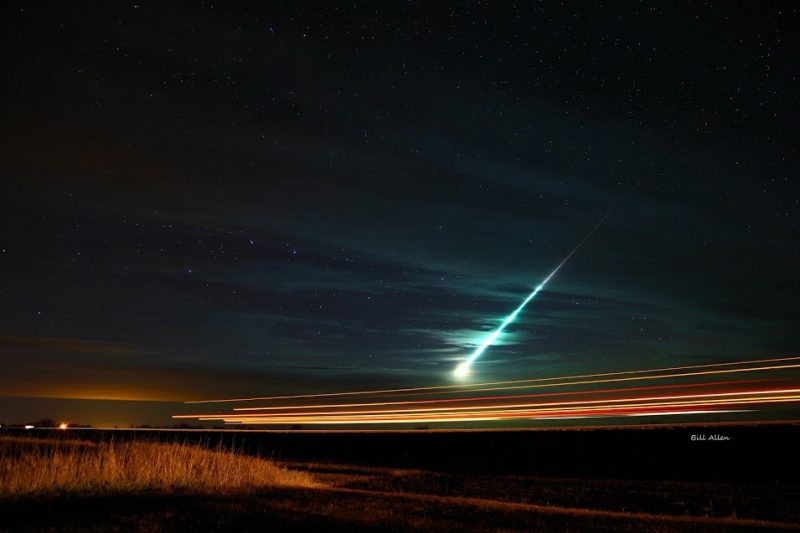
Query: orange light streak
[(534, 380), (481, 398), (513, 412), (709, 396), (524, 405)]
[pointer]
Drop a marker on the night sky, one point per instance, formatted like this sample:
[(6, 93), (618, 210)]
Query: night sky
[(217, 199)]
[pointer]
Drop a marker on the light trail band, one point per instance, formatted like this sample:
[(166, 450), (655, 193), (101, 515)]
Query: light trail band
[(558, 398), (501, 385)]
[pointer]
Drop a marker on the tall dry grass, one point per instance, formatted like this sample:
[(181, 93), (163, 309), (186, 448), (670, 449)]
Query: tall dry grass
[(38, 465)]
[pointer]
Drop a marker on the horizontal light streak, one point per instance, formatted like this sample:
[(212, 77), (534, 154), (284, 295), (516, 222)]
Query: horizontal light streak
[(586, 414), (712, 395), (483, 398), (668, 413), (506, 406), (503, 412), (490, 419), (528, 411), (637, 378), (459, 387)]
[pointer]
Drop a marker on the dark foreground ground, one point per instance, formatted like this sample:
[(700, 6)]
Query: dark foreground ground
[(656, 479), (747, 452)]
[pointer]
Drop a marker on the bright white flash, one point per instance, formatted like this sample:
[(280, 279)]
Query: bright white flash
[(463, 368)]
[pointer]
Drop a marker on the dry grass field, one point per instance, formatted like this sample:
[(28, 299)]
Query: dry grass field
[(42, 465), (56, 484)]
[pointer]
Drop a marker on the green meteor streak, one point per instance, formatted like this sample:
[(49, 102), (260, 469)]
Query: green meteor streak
[(464, 367)]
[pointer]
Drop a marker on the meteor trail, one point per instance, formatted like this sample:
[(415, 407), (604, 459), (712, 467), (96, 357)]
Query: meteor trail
[(464, 367)]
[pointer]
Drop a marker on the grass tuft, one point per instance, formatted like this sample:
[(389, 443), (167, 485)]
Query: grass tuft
[(38, 466)]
